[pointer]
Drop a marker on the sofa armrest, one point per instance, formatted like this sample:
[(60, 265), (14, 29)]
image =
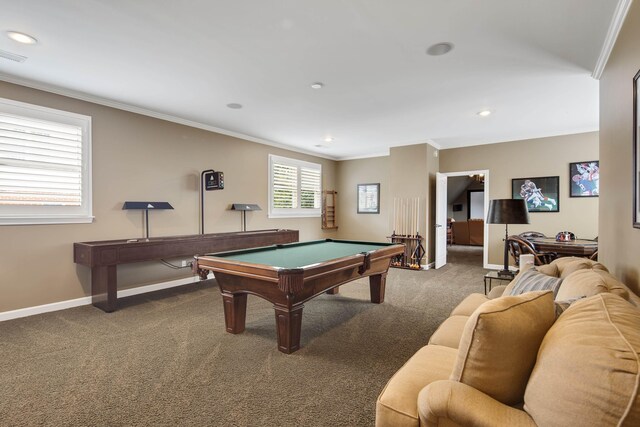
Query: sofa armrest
[(466, 406), (496, 291)]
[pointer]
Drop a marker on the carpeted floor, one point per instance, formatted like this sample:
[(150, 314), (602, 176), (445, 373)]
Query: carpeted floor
[(165, 358)]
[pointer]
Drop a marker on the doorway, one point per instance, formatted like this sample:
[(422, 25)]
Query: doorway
[(461, 197)]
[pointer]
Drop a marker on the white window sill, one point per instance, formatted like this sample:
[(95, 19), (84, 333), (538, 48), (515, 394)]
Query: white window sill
[(46, 220)]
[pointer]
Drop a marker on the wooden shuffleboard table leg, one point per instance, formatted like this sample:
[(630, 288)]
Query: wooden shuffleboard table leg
[(104, 287)]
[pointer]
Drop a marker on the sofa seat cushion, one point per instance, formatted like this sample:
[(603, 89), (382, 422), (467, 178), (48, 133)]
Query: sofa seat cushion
[(587, 370), (500, 342), (449, 332), (397, 405), (587, 283), (469, 304)]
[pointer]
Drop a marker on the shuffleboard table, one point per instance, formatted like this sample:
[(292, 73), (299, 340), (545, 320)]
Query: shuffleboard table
[(104, 256), (289, 275)]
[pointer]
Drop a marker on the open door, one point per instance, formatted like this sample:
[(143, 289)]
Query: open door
[(441, 219)]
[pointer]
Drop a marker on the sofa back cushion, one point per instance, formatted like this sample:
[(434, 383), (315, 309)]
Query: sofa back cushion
[(500, 342), (568, 265), (476, 231), (587, 283), (460, 231), (587, 370)]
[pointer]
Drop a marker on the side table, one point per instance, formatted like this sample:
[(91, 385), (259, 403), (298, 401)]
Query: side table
[(493, 275)]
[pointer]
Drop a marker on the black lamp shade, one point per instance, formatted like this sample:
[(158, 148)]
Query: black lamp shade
[(508, 211)]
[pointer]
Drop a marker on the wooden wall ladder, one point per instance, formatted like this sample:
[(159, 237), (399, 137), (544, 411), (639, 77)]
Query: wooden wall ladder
[(329, 200)]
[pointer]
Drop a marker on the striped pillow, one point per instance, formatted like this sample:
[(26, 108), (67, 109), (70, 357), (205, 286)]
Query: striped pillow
[(533, 280)]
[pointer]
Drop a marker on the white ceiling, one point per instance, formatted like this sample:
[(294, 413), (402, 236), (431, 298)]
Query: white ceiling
[(530, 62)]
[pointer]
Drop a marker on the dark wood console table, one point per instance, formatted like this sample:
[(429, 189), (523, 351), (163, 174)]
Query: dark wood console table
[(103, 257)]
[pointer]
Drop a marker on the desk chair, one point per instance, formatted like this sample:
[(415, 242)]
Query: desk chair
[(519, 246)]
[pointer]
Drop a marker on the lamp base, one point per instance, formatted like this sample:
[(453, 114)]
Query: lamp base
[(506, 273)]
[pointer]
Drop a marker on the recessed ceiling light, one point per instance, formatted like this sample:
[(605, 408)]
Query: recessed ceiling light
[(484, 113), (328, 139), (440, 49), (234, 106), (317, 85), (21, 37)]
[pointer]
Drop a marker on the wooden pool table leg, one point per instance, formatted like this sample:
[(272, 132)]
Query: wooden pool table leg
[(377, 284), (235, 311), (288, 325)]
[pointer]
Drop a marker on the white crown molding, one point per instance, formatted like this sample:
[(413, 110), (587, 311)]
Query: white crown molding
[(150, 113), (619, 16)]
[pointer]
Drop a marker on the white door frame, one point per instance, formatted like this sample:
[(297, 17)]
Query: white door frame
[(485, 247)]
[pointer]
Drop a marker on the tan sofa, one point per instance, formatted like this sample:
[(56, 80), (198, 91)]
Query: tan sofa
[(528, 359), (469, 232)]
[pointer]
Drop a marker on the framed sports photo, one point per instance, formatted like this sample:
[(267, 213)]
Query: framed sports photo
[(542, 194), (584, 179)]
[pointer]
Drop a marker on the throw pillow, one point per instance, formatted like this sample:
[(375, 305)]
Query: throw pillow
[(500, 342), (533, 280)]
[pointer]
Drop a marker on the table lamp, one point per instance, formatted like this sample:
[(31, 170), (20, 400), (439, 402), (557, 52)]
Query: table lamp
[(507, 211)]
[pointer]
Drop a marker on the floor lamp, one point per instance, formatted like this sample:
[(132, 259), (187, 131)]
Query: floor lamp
[(507, 211)]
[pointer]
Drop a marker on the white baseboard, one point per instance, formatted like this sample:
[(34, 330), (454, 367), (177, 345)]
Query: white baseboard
[(499, 267), (157, 286), (428, 266), (63, 305)]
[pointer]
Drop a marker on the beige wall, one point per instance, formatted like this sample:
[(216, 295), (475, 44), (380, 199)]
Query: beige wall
[(433, 166), (351, 225), (140, 158), (409, 178), (532, 158), (408, 172), (619, 241)]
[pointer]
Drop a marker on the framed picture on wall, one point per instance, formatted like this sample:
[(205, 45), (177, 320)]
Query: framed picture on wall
[(369, 198), (636, 152), (541, 194), (584, 179)]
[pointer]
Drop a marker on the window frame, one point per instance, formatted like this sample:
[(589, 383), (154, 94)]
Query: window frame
[(297, 212), (32, 215)]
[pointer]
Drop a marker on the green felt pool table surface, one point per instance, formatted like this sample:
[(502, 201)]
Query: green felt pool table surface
[(299, 255)]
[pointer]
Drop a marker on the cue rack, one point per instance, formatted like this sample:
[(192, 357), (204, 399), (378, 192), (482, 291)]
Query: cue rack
[(406, 220)]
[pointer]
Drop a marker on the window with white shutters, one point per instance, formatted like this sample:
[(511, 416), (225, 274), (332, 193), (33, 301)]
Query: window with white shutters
[(45, 165), (294, 187)]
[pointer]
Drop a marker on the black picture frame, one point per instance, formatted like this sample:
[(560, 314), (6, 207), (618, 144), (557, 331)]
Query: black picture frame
[(368, 198), (542, 194), (636, 152), (584, 179)]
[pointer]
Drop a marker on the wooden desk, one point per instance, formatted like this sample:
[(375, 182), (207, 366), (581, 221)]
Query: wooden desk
[(103, 257), (578, 247)]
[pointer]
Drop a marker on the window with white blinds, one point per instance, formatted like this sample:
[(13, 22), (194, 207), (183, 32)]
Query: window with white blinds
[(294, 187), (45, 165)]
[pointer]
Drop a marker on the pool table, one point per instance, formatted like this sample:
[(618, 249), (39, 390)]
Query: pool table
[(288, 275)]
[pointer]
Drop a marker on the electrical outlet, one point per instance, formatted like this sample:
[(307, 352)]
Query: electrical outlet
[(184, 263)]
